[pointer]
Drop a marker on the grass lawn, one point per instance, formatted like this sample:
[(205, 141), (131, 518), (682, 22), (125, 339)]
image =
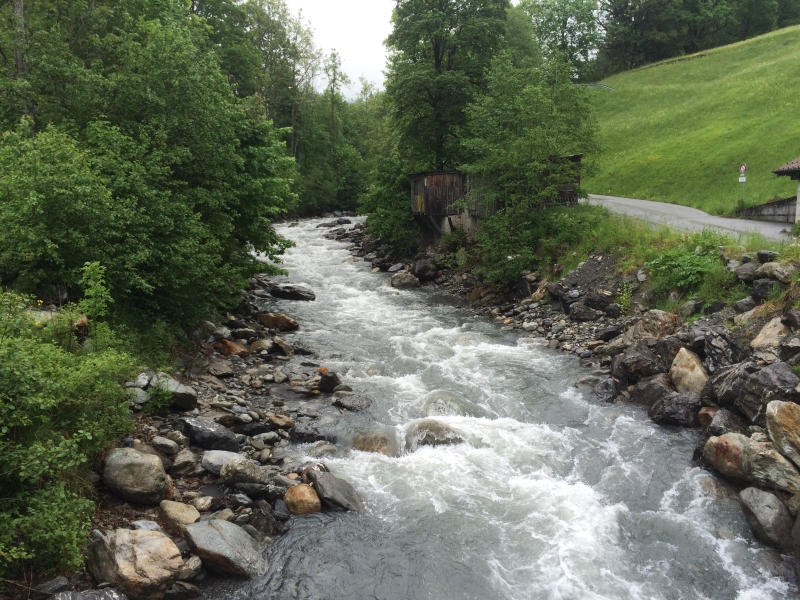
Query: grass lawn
[(677, 131)]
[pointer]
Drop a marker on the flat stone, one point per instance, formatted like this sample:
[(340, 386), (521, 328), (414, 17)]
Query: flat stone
[(220, 368), (165, 445), (226, 549), (292, 292), (207, 434), (214, 460), (243, 470), (178, 515), (335, 493)]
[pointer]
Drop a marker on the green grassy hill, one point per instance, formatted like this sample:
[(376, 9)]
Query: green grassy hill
[(677, 131)]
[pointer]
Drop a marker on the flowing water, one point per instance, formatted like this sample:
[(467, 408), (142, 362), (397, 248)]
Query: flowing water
[(551, 496)]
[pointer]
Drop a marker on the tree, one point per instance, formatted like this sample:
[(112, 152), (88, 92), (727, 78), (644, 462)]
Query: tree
[(568, 27), (440, 50)]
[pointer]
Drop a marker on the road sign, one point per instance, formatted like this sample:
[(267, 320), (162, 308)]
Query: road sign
[(742, 168), (742, 179)]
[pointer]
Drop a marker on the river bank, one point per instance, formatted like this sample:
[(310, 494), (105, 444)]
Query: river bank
[(550, 494)]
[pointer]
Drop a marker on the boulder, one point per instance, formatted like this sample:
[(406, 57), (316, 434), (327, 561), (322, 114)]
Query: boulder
[(727, 382), (776, 271), (747, 272), (181, 395), (404, 280), (220, 368), (177, 515), (292, 292), (184, 463), (306, 434), (721, 350), (768, 517), (689, 308), (774, 382), (651, 390), (328, 382), (783, 425), (207, 434), (767, 344), (687, 372), (243, 470), (769, 468), (583, 314), (302, 500), (764, 288), (639, 361), (165, 446), (715, 307), (430, 432), (229, 348), (724, 453), (379, 443), (424, 270), (606, 390), (43, 591), (166, 462), (259, 346), (181, 590), (335, 493), (744, 305), (214, 460), (136, 477), (352, 402), (281, 422), (225, 548), (725, 421), (278, 321), (608, 333), (142, 564), (765, 256), (677, 409)]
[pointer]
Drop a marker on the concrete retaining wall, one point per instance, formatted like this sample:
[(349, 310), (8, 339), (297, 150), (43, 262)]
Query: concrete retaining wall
[(779, 211)]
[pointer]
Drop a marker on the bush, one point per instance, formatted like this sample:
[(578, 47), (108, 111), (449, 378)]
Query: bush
[(62, 401)]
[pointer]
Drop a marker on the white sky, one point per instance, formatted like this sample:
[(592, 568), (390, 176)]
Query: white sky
[(356, 29)]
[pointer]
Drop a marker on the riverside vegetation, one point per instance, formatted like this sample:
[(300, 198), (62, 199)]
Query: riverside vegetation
[(148, 147)]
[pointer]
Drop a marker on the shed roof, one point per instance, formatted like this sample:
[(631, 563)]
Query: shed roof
[(791, 168)]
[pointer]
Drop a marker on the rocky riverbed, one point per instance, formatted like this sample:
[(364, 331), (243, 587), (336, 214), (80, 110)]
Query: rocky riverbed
[(337, 431)]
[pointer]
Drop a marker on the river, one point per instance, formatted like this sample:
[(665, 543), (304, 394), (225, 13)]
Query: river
[(552, 496)]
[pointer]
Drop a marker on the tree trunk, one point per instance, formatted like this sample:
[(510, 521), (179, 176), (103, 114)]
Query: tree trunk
[(19, 38)]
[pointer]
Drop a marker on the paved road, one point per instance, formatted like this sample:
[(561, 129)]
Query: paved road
[(688, 219)]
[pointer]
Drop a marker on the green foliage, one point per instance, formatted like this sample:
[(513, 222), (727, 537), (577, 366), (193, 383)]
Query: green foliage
[(681, 269), (440, 51), (58, 408), (624, 297), (678, 132)]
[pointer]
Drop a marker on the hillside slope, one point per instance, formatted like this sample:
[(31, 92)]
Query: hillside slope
[(677, 131)]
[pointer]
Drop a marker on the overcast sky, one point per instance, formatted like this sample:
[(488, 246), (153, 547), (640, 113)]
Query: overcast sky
[(356, 29)]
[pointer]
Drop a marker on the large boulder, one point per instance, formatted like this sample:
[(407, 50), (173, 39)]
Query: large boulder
[(214, 460), (769, 468), (302, 500), (727, 382), (775, 270), (329, 381), (292, 292), (404, 281), (430, 432), (606, 390), (425, 270), (651, 390), (334, 492), (278, 321), (764, 288), (725, 454), (640, 361), (783, 425), (243, 470), (177, 515), (721, 350), (142, 564), (687, 372), (583, 314), (225, 548), (747, 272), (774, 382), (207, 434), (677, 409), (767, 344), (768, 517), (136, 477)]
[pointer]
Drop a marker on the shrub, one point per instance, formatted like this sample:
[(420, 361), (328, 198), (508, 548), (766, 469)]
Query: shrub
[(61, 402)]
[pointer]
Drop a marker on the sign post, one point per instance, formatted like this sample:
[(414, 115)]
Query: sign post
[(742, 178)]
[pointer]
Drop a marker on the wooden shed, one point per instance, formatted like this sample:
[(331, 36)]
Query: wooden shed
[(433, 193)]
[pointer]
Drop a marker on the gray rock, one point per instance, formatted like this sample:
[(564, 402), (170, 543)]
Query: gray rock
[(243, 470), (181, 395), (220, 368), (185, 463), (292, 292), (335, 493), (165, 445), (768, 517), (768, 467), (724, 421), (677, 409), (328, 382), (744, 305), (766, 256), (354, 402), (404, 280), (136, 477), (583, 314), (424, 270), (269, 438), (722, 350), (207, 434), (226, 549), (640, 361), (692, 307), (727, 382), (763, 288), (182, 590), (652, 390), (606, 390), (145, 525), (430, 432), (747, 272), (396, 268), (44, 590), (305, 434), (214, 460), (608, 333), (774, 382)]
